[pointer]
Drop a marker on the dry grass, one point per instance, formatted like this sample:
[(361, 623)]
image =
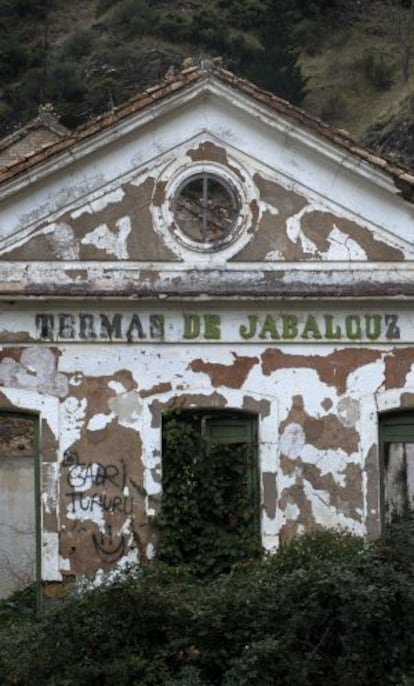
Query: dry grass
[(341, 88)]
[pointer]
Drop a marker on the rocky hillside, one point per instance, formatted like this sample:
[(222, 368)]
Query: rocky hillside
[(345, 61)]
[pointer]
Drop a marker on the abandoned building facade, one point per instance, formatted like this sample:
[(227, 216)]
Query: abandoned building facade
[(204, 251)]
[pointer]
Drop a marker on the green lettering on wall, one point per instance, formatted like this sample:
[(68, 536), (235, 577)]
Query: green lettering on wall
[(191, 326), (311, 329), (290, 326), (353, 326), (250, 331), (269, 329), (373, 326), (212, 329), (331, 333)]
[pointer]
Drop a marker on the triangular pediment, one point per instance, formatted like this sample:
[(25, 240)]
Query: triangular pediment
[(206, 173)]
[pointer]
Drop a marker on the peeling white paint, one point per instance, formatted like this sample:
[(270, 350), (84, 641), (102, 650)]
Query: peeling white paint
[(51, 562), (113, 243), (63, 244), (50, 487), (127, 407), (99, 421), (342, 247), (117, 387), (87, 513), (348, 411), (292, 440), (328, 516), (35, 371), (38, 378), (99, 203), (72, 416)]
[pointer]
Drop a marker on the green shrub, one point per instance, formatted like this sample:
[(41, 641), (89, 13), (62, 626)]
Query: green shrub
[(246, 14), (14, 57), (132, 17), (326, 609), (174, 26), (78, 45)]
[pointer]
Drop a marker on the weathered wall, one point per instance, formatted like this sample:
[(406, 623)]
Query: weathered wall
[(317, 402), (133, 221), (91, 254)]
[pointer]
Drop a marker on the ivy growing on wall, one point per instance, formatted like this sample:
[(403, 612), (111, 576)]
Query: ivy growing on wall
[(209, 514)]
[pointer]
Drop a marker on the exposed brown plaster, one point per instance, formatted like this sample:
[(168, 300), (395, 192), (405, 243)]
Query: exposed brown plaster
[(208, 151), (254, 209), (56, 590), (326, 404), (97, 392), (125, 377), (4, 401), (143, 242), (397, 365), (333, 369), (346, 499), (296, 495), (372, 518), (37, 247), (269, 493), (7, 337), (324, 433), (271, 233), (232, 376), (158, 388), (15, 353), (50, 444), (328, 432), (286, 202), (407, 400), (289, 530), (184, 401), (119, 451), (260, 407), (317, 226), (159, 194)]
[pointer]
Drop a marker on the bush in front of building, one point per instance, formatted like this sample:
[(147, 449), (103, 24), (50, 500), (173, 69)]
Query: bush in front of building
[(327, 608)]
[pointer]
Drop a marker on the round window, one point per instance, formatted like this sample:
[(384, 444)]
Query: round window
[(206, 208)]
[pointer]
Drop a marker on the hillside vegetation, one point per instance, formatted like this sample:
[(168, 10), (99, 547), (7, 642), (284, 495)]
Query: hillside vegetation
[(346, 61)]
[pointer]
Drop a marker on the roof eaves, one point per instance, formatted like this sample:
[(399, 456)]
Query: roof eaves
[(403, 177), (148, 97)]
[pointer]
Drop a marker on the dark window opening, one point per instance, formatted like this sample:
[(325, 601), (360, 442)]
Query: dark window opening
[(206, 208), (210, 505), (397, 463)]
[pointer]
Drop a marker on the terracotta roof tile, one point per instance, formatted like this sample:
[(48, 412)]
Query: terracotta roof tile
[(188, 76)]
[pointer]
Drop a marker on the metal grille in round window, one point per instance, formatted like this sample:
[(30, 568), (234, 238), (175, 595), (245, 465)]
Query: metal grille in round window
[(206, 209)]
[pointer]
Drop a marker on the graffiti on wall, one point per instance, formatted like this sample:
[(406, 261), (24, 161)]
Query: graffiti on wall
[(99, 492)]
